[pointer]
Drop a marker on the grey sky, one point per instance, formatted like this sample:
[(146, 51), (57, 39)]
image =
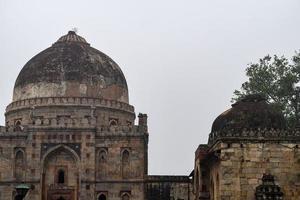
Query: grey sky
[(182, 59)]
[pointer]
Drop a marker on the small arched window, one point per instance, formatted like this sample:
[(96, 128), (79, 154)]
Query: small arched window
[(102, 166), (113, 122), (125, 156), (19, 165), (102, 197), (61, 176), (18, 126), (125, 197), (125, 164), (102, 156)]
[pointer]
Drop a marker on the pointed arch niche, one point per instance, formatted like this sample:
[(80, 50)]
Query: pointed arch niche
[(20, 164), (60, 175), (102, 197), (125, 158), (125, 196), (102, 163)]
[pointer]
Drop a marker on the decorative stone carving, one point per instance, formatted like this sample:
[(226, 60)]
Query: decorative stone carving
[(268, 189)]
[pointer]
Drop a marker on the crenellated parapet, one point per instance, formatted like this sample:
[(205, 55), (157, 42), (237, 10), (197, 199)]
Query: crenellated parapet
[(120, 131), (68, 101), (255, 135), (100, 131), (64, 122), (69, 112)]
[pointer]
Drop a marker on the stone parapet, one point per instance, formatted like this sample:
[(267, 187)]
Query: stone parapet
[(100, 131), (64, 122), (255, 135), (177, 179), (68, 101), (55, 122), (121, 130)]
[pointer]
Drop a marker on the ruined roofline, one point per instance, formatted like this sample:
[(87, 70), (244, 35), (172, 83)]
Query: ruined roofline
[(255, 135)]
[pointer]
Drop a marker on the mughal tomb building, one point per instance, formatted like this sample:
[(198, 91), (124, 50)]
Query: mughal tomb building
[(70, 134), (250, 155)]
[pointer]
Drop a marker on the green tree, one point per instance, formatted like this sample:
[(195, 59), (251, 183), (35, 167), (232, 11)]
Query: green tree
[(277, 79)]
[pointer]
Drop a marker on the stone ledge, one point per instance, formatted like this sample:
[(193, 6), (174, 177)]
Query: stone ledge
[(255, 135), (10, 135), (68, 101), (100, 132)]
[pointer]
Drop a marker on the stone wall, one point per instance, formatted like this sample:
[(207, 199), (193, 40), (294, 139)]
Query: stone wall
[(43, 146), (168, 188), (243, 166), (234, 170)]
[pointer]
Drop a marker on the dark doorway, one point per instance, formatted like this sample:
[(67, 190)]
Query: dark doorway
[(18, 197), (102, 197), (125, 197), (60, 198), (61, 176)]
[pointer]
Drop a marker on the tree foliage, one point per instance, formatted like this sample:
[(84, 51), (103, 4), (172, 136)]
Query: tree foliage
[(277, 79)]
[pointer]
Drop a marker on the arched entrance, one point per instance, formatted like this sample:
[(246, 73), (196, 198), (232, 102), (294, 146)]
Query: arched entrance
[(60, 174), (102, 197), (18, 197), (125, 197)]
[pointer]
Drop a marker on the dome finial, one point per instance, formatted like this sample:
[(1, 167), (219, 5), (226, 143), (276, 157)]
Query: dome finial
[(72, 37), (74, 29)]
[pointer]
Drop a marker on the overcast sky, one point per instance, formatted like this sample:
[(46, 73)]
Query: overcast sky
[(182, 59)]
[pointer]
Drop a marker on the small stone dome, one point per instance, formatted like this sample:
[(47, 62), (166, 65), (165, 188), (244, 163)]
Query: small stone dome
[(71, 68), (249, 113)]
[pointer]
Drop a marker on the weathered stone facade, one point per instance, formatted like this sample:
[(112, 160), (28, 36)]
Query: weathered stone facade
[(169, 188), (240, 153), (70, 131)]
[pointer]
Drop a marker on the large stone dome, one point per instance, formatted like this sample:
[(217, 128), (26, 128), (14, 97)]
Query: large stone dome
[(251, 112), (71, 68)]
